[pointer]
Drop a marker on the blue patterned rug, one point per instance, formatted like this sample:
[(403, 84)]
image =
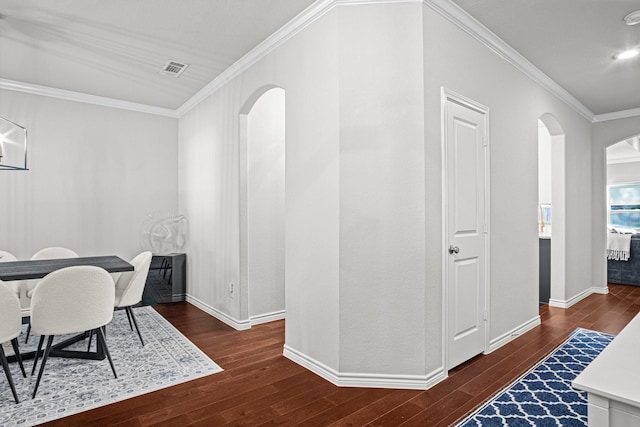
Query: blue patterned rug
[(544, 396), (70, 386)]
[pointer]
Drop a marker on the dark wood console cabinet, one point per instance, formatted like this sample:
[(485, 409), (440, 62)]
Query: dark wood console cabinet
[(545, 270), (167, 279)]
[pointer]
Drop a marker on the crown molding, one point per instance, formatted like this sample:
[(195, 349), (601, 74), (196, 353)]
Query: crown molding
[(446, 8), (624, 114), (475, 29), (290, 29), (85, 98)]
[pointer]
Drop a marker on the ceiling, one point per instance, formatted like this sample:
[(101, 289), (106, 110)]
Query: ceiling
[(572, 42), (624, 151), (116, 48)]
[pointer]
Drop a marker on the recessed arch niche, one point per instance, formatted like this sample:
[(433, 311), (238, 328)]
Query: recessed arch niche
[(262, 205)]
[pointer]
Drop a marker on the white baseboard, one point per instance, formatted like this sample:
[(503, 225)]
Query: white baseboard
[(239, 325), (267, 317), (342, 379), (582, 295), (503, 339)]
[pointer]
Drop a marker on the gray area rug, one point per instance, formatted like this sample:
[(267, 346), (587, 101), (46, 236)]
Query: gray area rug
[(70, 386)]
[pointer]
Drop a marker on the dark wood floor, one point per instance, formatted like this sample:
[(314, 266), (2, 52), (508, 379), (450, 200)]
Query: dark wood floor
[(259, 387)]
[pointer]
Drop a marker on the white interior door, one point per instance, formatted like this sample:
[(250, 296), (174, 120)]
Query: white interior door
[(465, 145)]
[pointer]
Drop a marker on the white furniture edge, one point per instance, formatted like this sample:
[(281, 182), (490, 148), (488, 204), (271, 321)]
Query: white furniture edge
[(613, 377)]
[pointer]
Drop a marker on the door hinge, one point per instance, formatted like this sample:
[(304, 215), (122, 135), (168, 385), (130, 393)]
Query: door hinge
[(486, 315)]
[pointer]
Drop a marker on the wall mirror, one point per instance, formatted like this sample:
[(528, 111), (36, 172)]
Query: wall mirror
[(13, 146)]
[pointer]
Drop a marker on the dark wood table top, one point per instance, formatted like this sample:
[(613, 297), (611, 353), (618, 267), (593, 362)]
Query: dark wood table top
[(36, 269)]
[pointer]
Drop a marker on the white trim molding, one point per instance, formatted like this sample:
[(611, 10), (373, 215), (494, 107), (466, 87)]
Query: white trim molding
[(616, 115), (239, 325), (475, 29), (291, 28), (342, 379), (624, 160), (236, 324), (577, 298), (446, 8), (509, 336), (266, 317), (85, 98)]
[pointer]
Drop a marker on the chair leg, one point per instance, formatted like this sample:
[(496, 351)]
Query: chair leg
[(7, 372), (16, 350), (26, 340), (44, 361), (90, 338), (130, 311), (92, 333), (126, 309), (35, 359), (100, 337)]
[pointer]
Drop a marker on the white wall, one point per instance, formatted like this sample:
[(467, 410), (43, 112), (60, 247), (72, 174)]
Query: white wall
[(306, 67), (94, 173), (363, 232), (544, 165), (382, 194), (266, 204), (460, 63)]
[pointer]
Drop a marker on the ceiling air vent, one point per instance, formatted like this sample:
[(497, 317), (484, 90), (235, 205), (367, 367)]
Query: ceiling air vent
[(173, 68)]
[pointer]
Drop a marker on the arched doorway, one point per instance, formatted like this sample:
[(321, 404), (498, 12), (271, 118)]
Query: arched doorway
[(622, 205), (262, 206), (553, 208)]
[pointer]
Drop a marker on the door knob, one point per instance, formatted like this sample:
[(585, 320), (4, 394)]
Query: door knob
[(453, 249)]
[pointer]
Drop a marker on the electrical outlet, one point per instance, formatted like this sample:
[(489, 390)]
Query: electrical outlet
[(231, 290)]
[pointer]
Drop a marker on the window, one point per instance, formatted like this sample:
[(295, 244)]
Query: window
[(624, 205)]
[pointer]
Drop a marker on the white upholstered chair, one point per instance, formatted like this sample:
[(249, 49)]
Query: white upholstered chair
[(54, 252), (14, 285), (7, 256), (130, 286), (71, 300), (10, 327)]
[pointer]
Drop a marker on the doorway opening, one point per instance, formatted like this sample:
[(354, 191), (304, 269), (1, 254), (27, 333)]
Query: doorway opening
[(623, 210), (552, 211), (262, 206)]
